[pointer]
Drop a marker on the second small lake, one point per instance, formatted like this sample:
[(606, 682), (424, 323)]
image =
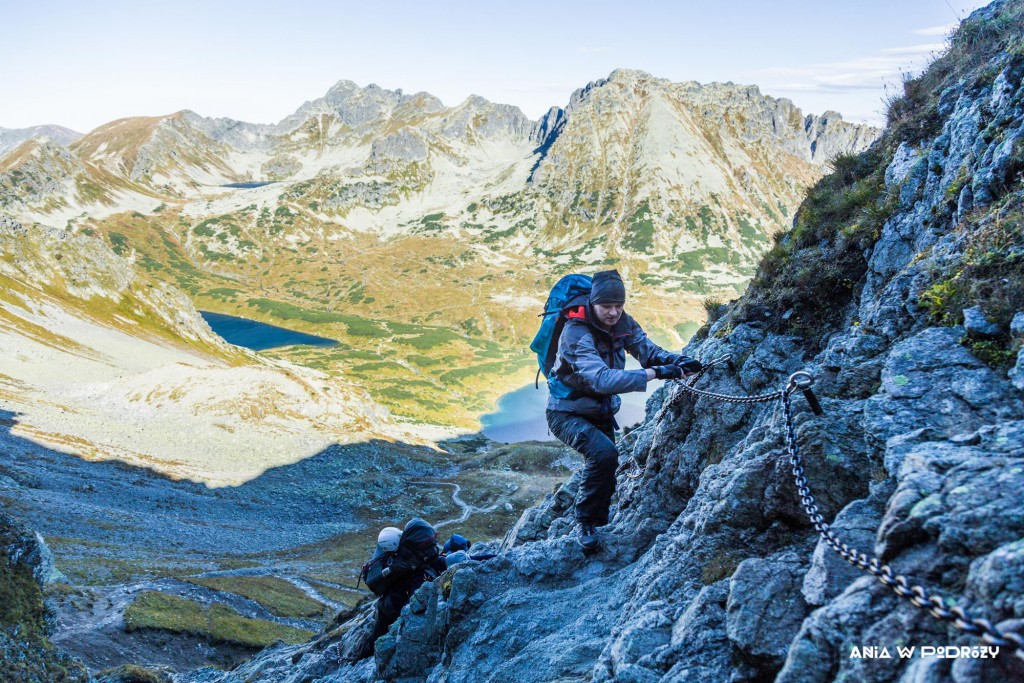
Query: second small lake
[(520, 414), (259, 336), (249, 185)]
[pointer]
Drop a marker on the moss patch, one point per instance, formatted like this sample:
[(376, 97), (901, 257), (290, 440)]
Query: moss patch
[(217, 622), (281, 598), (719, 567)]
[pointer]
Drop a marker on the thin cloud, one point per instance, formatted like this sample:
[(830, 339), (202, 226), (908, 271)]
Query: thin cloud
[(834, 88), (915, 49), (864, 74), (943, 30)]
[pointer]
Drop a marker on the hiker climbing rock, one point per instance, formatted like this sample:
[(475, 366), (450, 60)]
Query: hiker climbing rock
[(581, 349), (402, 562)]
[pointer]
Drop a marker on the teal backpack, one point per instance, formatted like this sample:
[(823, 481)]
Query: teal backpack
[(545, 343)]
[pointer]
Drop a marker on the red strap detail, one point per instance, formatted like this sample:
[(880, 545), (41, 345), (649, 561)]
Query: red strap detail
[(579, 313)]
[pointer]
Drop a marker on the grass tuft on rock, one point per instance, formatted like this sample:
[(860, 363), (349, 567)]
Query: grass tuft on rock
[(131, 673), (914, 115), (806, 280), (26, 654), (805, 283)]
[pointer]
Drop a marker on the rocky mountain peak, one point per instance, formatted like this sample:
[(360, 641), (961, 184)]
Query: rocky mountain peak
[(630, 76), (152, 149), (478, 116), (354, 105)]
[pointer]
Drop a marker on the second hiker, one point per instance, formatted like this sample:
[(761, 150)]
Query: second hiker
[(403, 561), (591, 364)]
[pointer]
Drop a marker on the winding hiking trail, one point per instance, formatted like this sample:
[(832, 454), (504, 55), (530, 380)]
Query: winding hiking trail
[(107, 604), (286, 573), (466, 508)]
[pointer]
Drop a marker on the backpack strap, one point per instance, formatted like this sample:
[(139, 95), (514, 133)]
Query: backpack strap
[(549, 360), (574, 313), (577, 313)]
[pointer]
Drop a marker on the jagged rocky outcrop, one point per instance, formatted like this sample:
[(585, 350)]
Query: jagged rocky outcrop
[(711, 570), (26, 654), (46, 174), (639, 165)]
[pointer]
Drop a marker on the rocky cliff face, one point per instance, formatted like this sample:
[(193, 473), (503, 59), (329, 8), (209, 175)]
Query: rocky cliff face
[(26, 654), (686, 182), (712, 571)]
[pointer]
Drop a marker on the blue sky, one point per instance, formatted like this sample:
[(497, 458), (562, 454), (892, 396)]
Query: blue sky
[(81, 64)]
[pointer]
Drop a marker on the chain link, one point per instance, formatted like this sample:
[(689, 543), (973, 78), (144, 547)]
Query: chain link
[(918, 595)]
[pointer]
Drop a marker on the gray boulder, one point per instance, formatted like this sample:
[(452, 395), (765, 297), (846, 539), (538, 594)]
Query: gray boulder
[(976, 324)]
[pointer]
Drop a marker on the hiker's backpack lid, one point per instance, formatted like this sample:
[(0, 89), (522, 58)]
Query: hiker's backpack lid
[(418, 534)]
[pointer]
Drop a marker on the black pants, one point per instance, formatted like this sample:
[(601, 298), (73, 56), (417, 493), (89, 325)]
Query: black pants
[(595, 440), (389, 608)]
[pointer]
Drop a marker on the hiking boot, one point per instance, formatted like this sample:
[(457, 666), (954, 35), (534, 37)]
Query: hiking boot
[(588, 536)]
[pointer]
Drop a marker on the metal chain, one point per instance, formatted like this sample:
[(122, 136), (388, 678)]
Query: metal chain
[(634, 471), (727, 358), (917, 594)]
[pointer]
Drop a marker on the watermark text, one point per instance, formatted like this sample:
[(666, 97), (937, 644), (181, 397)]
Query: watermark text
[(925, 651)]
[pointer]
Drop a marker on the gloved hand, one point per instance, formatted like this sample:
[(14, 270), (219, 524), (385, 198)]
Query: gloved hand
[(668, 371), (688, 364)]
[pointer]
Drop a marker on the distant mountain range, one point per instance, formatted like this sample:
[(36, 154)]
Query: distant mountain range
[(688, 180), (12, 137), (425, 237)]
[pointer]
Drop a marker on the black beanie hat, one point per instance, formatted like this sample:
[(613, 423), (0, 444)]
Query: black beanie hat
[(607, 288)]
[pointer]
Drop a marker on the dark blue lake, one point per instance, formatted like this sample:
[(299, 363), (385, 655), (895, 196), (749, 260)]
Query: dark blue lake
[(520, 413), (249, 186), (259, 336)]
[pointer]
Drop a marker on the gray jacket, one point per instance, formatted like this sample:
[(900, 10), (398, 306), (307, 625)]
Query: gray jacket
[(592, 359)]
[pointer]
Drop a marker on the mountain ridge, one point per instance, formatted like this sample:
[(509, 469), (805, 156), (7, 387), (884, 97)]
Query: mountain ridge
[(10, 138)]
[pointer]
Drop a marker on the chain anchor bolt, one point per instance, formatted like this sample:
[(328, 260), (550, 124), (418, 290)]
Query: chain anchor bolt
[(804, 381)]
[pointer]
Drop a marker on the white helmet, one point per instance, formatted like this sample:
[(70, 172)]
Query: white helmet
[(388, 538)]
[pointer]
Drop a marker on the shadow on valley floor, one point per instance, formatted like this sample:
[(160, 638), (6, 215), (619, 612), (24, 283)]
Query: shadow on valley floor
[(109, 522), (292, 538)]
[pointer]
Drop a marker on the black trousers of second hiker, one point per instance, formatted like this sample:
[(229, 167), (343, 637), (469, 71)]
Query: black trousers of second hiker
[(389, 607), (594, 439)]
